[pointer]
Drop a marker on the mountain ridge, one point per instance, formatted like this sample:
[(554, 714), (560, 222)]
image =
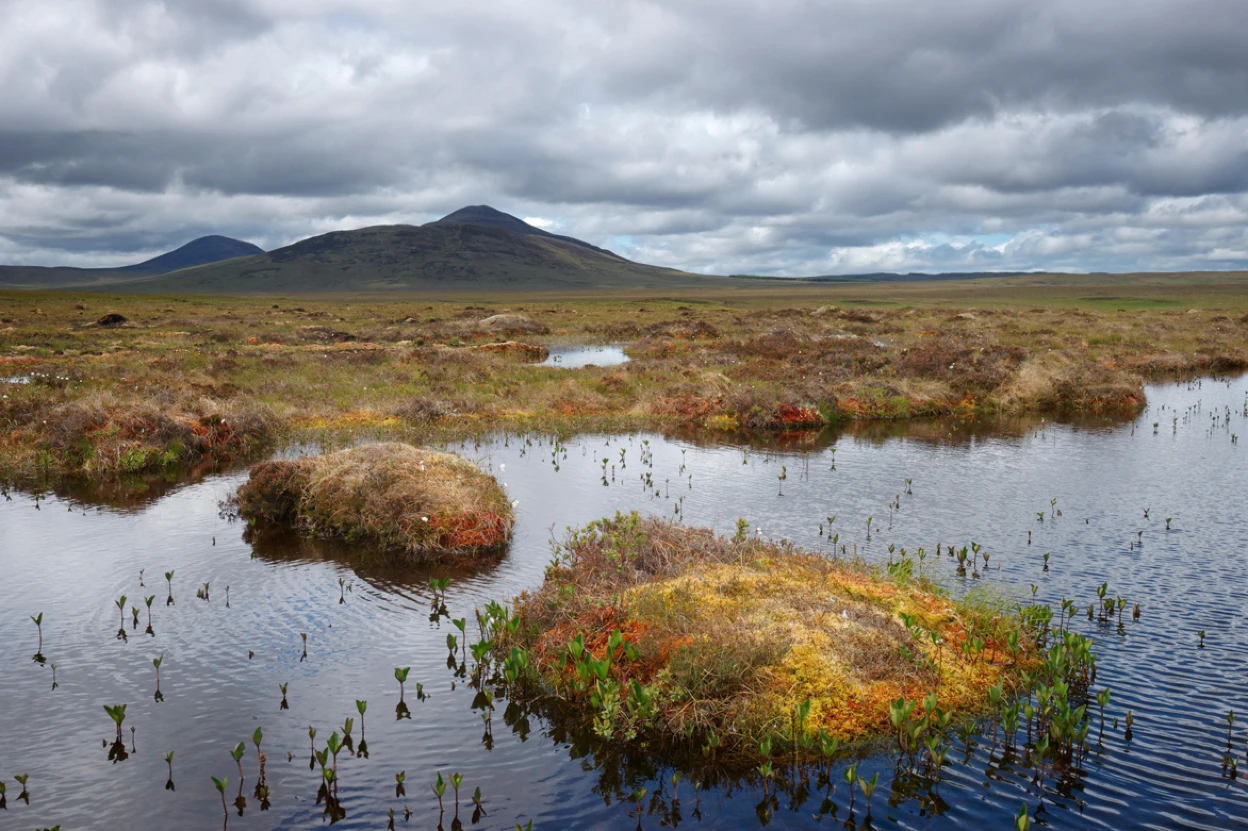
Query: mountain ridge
[(476, 248)]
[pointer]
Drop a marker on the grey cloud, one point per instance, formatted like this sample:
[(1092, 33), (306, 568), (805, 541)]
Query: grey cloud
[(736, 135), (916, 65)]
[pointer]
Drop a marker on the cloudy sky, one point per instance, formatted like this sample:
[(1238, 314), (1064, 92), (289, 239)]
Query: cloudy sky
[(763, 136)]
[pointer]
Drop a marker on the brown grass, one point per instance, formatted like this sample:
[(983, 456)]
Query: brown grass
[(400, 497)]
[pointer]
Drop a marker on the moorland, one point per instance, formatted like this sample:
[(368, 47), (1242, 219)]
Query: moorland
[(100, 385)]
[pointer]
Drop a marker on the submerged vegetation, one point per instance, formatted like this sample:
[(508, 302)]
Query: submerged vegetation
[(669, 632), (421, 502)]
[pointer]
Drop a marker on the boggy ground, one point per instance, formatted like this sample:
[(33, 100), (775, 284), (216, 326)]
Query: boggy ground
[(185, 378), (660, 630)]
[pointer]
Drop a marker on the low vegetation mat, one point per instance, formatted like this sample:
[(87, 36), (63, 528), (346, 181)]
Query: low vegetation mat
[(421, 502), (655, 628)]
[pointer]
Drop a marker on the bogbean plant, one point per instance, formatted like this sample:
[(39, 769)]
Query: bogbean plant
[(1042, 711)]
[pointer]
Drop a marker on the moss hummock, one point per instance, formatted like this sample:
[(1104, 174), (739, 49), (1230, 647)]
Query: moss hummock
[(705, 636), (422, 502)]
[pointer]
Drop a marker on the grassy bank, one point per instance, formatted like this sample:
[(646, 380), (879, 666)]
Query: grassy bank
[(181, 378)]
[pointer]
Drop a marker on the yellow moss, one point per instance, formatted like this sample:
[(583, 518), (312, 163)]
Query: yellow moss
[(838, 635)]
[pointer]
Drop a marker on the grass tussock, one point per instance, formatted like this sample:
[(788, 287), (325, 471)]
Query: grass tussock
[(728, 637), (421, 502)]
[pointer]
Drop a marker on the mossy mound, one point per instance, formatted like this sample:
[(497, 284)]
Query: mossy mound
[(400, 497), (725, 639)]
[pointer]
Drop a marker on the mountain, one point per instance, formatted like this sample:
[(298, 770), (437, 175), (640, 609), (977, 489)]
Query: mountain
[(202, 251), (476, 248), (485, 215), (210, 249)]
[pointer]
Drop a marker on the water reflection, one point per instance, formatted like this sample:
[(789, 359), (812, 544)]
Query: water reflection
[(575, 357), (1147, 509), (385, 570)]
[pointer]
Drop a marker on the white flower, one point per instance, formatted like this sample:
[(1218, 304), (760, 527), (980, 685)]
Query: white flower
[(502, 467), (515, 502), (424, 519)]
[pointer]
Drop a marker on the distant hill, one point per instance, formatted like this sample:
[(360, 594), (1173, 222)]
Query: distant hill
[(210, 249), (485, 215), (475, 248), (202, 251)]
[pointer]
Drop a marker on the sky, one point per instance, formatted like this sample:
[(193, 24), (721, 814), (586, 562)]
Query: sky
[(782, 137)]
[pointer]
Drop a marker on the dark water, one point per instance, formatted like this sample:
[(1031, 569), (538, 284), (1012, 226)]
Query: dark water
[(71, 555)]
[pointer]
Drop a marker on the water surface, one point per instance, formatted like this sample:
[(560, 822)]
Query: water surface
[(71, 554), (575, 357)]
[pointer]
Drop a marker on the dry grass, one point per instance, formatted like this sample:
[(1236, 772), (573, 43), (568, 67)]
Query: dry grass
[(733, 635), (400, 497)]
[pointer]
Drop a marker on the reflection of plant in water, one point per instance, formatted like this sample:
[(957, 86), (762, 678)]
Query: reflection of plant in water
[(401, 710), (21, 778), (347, 741)]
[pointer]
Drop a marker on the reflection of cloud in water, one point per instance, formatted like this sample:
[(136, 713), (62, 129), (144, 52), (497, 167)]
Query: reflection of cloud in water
[(574, 357)]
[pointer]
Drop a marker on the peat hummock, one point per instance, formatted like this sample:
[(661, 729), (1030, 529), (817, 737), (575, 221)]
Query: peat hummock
[(671, 632), (403, 498)]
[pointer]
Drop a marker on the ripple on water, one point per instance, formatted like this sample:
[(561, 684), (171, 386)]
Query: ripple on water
[(968, 484)]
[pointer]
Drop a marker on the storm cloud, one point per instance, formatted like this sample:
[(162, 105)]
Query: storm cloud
[(769, 136)]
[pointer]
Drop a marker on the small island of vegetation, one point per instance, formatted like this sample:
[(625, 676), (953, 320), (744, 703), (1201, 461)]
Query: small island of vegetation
[(653, 630), (420, 502)]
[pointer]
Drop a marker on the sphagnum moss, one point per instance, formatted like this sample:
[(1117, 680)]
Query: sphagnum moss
[(722, 640)]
